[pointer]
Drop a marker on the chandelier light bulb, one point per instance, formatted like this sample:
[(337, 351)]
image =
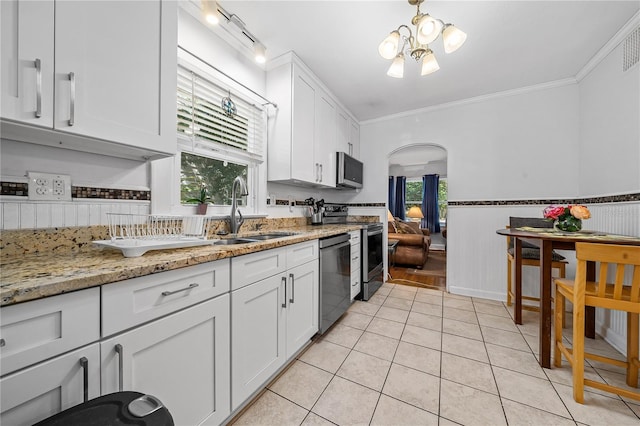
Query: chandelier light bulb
[(428, 29), (389, 46), (396, 70), (452, 38), (429, 63)]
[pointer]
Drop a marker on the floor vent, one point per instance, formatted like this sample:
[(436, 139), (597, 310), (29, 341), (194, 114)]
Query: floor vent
[(631, 53)]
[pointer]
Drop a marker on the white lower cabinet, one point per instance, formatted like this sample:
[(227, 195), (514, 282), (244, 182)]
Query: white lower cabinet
[(302, 307), (272, 319), (37, 392), (182, 359), (258, 329)]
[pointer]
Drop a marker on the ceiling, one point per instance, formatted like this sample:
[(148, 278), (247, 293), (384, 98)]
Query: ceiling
[(510, 44)]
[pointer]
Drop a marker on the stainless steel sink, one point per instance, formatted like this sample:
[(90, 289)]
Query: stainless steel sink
[(229, 241)]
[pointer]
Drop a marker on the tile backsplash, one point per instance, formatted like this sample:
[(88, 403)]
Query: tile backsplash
[(22, 214)]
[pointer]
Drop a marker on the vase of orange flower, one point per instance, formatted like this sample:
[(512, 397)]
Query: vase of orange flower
[(567, 218)]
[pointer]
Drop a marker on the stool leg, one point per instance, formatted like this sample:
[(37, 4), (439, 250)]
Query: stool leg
[(559, 319), (632, 349), (562, 272)]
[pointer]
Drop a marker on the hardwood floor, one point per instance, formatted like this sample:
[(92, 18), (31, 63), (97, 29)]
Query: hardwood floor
[(432, 275)]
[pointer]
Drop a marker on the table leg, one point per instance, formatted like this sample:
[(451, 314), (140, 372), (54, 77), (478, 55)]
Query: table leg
[(590, 311), (517, 285), (546, 250)]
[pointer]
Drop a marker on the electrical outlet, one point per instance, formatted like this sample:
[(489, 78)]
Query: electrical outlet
[(49, 187)]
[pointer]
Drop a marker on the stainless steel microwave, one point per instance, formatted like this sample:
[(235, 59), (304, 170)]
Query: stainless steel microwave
[(349, 172)]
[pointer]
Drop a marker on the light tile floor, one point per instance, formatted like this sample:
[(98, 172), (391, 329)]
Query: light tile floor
[(414, 356)]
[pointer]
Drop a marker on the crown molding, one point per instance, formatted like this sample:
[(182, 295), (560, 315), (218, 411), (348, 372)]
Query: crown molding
[(477, 99), (618, 38), (630, 26)]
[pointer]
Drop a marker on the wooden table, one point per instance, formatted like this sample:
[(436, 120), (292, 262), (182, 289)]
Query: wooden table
[(548, 240)]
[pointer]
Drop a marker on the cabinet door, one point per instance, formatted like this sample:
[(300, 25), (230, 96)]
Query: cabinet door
[(354, 139), (303, 165), (302, 301), (258, 327), (182, 359), (342, 131), (33, 394), (115, 76), (26, 58), (325, 139)]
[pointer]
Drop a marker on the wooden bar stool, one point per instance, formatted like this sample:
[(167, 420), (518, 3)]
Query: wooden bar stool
[(612, 260), (530, 257)]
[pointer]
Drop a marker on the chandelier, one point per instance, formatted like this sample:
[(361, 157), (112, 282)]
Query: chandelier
[(427, 31)]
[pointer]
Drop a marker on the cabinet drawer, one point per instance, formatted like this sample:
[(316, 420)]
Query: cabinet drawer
[(41, 329), (128, 303), (354, 237), (300, 253), (355, 283), (355, 257), (254, 267)]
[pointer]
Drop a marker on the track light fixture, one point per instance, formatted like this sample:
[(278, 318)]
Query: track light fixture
[(427, 30), (213, 13)]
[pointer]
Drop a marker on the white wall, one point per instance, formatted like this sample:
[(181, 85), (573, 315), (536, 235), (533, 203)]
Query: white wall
[(610, 128), (504, 147)]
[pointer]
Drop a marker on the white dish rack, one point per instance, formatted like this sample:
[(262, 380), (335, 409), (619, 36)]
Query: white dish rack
[(135, 234)]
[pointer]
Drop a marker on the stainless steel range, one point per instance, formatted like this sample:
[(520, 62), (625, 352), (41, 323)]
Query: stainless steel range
[(371, 267)]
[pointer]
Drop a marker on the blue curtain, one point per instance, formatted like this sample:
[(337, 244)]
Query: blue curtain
[(401, 187), (430, 209), (392, 195)]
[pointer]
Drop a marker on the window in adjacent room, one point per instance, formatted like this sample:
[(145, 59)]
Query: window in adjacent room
[(220, 136)]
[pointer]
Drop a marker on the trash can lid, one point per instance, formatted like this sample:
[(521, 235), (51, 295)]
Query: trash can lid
[(119, 408)]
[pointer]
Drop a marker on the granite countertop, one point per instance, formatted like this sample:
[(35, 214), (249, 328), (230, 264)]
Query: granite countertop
[(34, 276)]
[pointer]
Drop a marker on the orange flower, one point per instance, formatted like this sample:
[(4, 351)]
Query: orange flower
[(580, 212)]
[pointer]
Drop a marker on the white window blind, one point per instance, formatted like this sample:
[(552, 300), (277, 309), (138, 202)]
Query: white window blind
[(202, 120)]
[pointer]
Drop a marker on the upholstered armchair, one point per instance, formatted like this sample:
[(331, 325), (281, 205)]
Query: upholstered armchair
[(413, 243)]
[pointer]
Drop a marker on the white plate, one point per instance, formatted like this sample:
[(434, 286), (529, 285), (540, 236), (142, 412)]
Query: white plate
[(136, 248)]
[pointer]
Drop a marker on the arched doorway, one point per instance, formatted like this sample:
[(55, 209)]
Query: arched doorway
[(413, 162)]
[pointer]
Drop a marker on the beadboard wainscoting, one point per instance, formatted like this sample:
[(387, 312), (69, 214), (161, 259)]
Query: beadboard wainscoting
[(476, 260), (19, 213), (617, 218)]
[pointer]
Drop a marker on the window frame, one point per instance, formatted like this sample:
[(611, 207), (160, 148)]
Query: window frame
[(171, 168)]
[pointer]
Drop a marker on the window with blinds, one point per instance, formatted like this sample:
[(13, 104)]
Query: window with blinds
[(203, 120)]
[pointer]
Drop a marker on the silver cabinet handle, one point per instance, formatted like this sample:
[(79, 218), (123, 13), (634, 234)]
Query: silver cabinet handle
[(350, 148), (293, 281), (38, 64), (169, 293), (120, 352), (317, 173), (2, 343), (84, 363), (320, 172), (72, 101), (284, 281)]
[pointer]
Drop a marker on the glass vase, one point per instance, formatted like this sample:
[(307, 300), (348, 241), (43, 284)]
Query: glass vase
[(568, 224)]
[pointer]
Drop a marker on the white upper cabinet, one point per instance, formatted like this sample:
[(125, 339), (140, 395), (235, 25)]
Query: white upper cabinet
[(354, 138), (324, 148), (348, 134), (26, 59), (307, 130), (108, 83)]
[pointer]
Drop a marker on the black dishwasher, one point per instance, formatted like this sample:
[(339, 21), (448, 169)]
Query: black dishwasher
[(335, 279)]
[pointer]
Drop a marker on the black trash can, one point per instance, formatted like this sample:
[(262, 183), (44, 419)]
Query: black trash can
[(119, 408)]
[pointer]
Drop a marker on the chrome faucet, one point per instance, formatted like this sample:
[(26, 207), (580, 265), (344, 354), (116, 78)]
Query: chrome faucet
[(241, 185)]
